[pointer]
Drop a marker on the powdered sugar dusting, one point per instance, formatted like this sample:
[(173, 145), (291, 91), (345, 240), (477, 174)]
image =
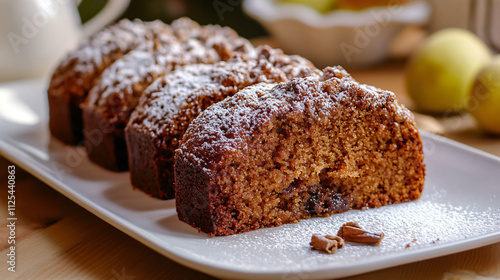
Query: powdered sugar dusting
[(173, 101), (458, 210), (227, 125), (178, 84), (135, 69), (421, 224), (83, 65), (185, 41), (118, 89)]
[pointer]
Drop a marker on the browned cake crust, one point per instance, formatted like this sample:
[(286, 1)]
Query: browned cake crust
[(173, 101), (79, 70), (75, 76), (110, 102), (118, 89), (275, 154)]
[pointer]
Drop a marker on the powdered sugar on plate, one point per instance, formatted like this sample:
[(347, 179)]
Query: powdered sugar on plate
[(420, 224), (458, 209)]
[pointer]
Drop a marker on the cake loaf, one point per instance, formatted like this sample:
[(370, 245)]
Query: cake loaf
[(174, 100), (276, 153), (78, 72), (117, 91), (75, 75)]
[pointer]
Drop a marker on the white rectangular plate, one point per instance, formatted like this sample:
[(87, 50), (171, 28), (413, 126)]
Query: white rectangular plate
[(459, 208)]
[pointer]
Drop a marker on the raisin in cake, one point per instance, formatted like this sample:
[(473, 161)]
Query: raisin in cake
[(173, 101), (276, 153)]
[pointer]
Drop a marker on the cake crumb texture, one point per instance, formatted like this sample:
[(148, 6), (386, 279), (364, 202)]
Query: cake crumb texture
[(274, 154), (168, 106)]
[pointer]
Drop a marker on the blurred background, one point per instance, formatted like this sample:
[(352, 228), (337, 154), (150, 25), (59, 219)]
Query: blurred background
[(353, 33), (202, 11)]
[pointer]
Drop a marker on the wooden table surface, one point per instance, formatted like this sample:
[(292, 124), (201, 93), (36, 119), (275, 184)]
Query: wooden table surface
[(57, 239)]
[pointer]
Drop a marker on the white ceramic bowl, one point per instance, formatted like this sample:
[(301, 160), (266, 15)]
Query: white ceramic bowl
[(349, 38)]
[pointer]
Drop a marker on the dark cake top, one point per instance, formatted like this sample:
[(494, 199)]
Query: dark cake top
[(294, 66), (120, 85), (197, 44), (116, 92), (170, 103), (80, 67), (226, 127), (207, 44), (173, 101)]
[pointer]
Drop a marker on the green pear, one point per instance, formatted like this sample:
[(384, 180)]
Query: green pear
[(441, 73), (484, 102), (322, 6)]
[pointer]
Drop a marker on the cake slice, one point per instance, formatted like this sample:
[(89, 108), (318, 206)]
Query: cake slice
[(109, 104), (276, 153), (174, 100), (77, 72), (117, 91), (81, 69)]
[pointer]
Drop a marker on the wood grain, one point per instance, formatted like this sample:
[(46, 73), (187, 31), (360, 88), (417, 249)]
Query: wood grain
[(57, 239)]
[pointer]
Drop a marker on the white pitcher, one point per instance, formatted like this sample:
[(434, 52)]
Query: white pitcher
[(36, 34)]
